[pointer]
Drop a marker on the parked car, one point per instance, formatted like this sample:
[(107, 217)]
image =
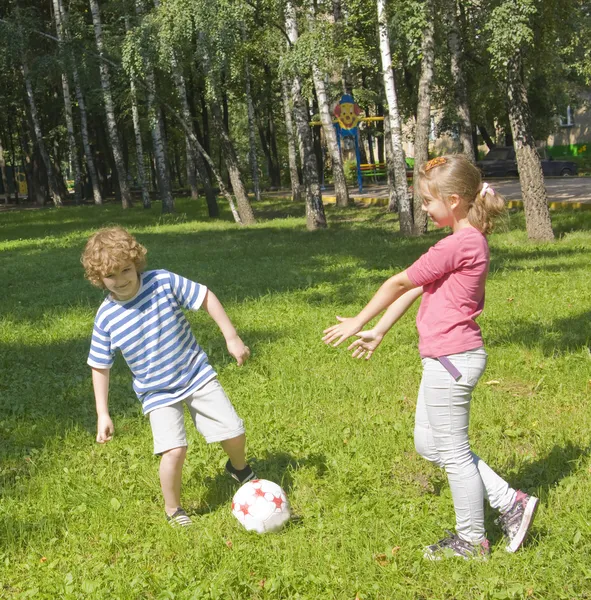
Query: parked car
[(500, 162)]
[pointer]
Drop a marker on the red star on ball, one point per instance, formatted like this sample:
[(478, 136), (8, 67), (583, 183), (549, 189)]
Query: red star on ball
[(244, 509), (259, 493), (233, 505), (278, 501)]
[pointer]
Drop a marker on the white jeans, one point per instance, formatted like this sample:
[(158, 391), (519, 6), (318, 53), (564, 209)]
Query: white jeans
[(441, 436)]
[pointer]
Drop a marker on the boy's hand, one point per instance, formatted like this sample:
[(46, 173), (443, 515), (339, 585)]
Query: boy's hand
[(238, 350), (346, 327), (104, 429), (366, 344)]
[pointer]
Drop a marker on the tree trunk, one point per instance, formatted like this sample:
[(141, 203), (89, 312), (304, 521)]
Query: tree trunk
[(393, 200), (252, 147), (401, 187), (531, 177), (109, 108), (157, 130), (231, 162), (296, 190), (74, 159), (53, 187), (315, 217), (195, 163), (486, 137), (338, 173), (3, 174), (423, 122), (459, 79), (137, 130)]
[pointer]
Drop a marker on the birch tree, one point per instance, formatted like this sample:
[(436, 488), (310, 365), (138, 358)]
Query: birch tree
[(315, 217), (109, 107), (53, 187), (393, 114), (296, 191), (454, 43), (338, 173), (423, 121)]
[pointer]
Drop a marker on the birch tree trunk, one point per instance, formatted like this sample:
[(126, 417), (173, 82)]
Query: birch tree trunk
[(423, 122), (459, 79), (231, 161), (74, 158), (315, 217), (3, 174), (392, 199), (53, 187), (393, 114), (296, 190), (252, 147), (227, 147), (195, 164), (109, 108), (157, 130), (90, 166), (340, 182), (139, 147), (535, 201)]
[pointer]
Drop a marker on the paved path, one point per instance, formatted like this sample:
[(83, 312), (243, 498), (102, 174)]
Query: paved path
[(561, 191)]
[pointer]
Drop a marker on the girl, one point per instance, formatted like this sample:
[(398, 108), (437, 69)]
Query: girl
[(450, 277)]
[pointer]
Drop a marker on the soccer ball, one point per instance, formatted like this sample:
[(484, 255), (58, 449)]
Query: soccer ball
[(261, 506)]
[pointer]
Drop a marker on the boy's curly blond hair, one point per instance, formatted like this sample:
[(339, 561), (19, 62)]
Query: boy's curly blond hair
[(108, 250)]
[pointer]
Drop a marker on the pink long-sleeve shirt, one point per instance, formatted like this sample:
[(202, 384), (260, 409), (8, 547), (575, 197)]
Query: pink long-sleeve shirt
[(453, 275)]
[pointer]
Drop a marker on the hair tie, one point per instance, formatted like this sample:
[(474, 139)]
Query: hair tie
[(486, 188), (435, 162)]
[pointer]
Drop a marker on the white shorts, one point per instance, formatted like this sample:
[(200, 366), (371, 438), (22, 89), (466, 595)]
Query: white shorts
[(211, 411)]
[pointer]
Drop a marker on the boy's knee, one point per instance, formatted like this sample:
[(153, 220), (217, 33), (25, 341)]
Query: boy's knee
[(175, 454)]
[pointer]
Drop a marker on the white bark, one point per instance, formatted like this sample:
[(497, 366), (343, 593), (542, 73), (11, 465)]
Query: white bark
[(252, 147), (74, 158), (296, 190), (423, 123), (53, 189), (109, 107), (315, 217), (459, 79), (393, 114)]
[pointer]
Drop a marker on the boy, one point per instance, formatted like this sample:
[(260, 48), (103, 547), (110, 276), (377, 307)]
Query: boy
[(142, 318)]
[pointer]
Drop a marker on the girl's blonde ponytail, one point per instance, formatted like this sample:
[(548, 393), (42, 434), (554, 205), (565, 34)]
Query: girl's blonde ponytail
[(487, 205)]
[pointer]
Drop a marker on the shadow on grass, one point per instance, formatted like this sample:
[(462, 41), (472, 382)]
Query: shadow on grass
[(279, 467), (540, 477)]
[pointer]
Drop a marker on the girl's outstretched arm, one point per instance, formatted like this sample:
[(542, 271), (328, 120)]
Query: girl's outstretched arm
[(389, 291), (369, 340)]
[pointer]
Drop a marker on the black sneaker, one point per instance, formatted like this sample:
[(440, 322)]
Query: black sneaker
[(179, 519), (453, 545), (241, 476)]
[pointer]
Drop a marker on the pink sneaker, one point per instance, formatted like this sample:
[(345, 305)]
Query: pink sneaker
[(516, 522)]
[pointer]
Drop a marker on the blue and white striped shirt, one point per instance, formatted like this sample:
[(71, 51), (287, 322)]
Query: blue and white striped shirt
[(155, 339)]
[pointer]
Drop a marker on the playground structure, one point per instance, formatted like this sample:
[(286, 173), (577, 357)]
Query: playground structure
[(346, 123)]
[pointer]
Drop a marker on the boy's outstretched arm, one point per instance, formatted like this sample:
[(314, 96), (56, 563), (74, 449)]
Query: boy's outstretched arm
[(369, 340), (236, 346), (104, 426)]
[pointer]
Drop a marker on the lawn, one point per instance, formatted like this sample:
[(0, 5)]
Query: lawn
[(82, 520)]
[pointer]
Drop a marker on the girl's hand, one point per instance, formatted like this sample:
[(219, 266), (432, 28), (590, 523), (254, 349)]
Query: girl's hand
[(238, 350), (366, 344), (343, 330), (104, 429)]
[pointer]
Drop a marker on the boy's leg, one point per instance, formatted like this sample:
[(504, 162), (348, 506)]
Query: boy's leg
[(216, 419), (235, 448), (171, 471), (170, 442)]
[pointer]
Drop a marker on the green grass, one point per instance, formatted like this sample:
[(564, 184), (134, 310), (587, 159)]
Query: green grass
[(79, 520)]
